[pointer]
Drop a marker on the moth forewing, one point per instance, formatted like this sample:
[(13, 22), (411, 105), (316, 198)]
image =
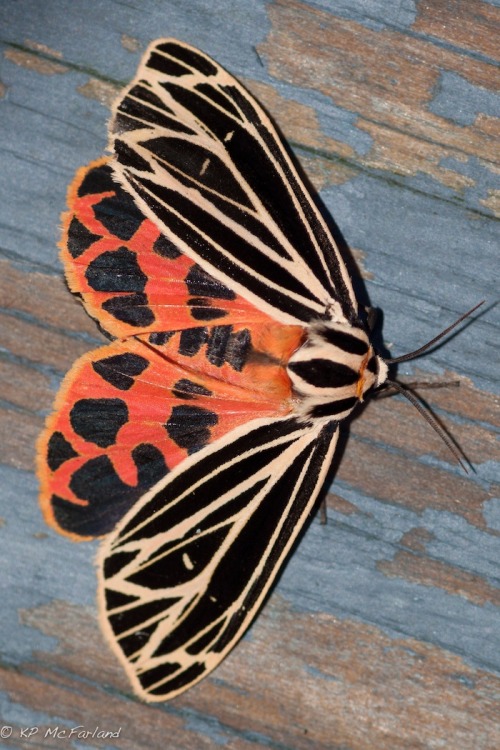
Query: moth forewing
[(225, 86), (328, 286), (146, 198), (186, 600)]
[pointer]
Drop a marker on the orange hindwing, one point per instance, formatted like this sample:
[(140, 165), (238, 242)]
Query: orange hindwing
[(192, 361)]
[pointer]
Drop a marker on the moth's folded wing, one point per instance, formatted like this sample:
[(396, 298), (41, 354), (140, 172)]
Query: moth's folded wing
[(187, 569), (206, 164)]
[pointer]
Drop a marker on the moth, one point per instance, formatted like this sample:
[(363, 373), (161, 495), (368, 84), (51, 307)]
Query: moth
[(197, 441)]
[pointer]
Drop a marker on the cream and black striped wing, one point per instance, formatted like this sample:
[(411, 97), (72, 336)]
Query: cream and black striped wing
[(206, 165), (185, 572)]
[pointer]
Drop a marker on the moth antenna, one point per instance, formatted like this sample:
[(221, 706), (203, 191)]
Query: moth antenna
[(425, 347), (400, 388), (429, 418)]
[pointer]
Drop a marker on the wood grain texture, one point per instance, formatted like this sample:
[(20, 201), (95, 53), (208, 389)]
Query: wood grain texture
[(383, 630)]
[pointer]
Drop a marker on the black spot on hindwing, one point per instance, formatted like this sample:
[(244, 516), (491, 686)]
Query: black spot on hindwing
[(59, 450), (121, 369), (225, 346), (116, 271), (79, 238), (151, 466), (192, 339), (185, 388), (130, 308), (98, 420), (107, 498), (238, 349), (201, 309), (217, 344), (189, 426), (222, 345), (159, 338)]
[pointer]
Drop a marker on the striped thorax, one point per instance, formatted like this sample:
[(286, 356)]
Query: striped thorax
[(333, 370)]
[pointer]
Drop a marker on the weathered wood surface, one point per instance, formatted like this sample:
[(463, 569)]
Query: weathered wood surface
[(383, 631)]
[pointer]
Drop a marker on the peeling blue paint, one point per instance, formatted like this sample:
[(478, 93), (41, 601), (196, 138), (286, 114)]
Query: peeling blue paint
[(492, 513), (461, 102), (37, 577)]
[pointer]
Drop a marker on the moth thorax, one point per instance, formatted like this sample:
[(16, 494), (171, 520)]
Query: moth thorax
[(333, 370)]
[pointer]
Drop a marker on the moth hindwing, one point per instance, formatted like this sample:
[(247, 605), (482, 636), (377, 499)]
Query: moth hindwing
[(199, 439)]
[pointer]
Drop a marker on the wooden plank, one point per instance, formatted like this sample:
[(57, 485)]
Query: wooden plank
[(383, 629)]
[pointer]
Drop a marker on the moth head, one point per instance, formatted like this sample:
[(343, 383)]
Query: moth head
[(333, 370)]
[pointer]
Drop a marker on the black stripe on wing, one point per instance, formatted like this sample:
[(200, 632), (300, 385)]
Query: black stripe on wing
[(186, 127), (186, 573), (203, 231)]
